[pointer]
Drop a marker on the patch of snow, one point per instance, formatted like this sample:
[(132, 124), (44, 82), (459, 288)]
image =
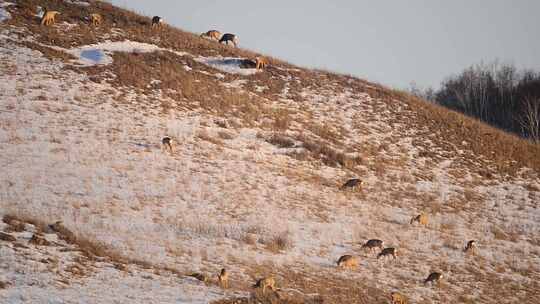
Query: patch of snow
[(238, 84), (187, 68), (4, 15), (229, 65), (100, 54), (260, 89), (81, 3), (40, 11)]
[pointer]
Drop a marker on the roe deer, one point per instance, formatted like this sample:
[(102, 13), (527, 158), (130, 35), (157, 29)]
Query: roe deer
[(353, 184), (372, 244), (347, 261), (96, 19), (223, 278), (212, 34), (157, 21), (390, 251), (49, 17), (200, 276), (264, 283), (422, 219), (167, 143), (229, 37), (470, 247), (433, 277), (260, 63), (397, 298)]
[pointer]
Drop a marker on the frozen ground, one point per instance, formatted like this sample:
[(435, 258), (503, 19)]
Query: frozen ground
[(227, 64), (85, 153), (4, 15), (60, 273)]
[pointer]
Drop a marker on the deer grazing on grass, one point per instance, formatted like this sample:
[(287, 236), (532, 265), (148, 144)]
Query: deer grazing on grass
[(268, 282), (200, 276), (397, 298), (390, 251), (347, 261), (433, 277), (223, 278), (260, 63), (157, 22), (96, 19), (167, 143), (470, 247), (422, 219), (212, 34), (49, 17), (352, 184), (372, 244), (226, 38)]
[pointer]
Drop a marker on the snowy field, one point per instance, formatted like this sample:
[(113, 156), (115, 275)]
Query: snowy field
[(72, 151)]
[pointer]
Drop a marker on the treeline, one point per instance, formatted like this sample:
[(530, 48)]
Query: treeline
[(498, 94)]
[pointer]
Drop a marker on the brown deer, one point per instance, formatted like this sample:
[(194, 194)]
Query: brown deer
[(347, 261), (268, 282), (157, 22), (260, 63), (212, 34), (433, 277), (397, 298), (167, 143), (422, 219), (223, 278), (96, 19), (372, 244), (200, 276), (353, 184), (228, 37), (390, 251), (470, 247), (49, 17)]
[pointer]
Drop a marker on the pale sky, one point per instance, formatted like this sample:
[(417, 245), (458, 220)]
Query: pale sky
[(393, 42)]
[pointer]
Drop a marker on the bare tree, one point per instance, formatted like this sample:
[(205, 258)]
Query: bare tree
[(494, 93), (530, 121)]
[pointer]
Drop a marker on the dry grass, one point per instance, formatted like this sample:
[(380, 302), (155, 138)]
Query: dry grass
[(470, 134), (328, 155), (279, 243), (89, 247), (508, 152)]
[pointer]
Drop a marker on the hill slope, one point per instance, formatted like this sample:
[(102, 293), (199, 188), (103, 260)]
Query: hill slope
[(253, 181)]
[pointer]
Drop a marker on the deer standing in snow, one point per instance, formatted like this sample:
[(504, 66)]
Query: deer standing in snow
[(223, 278), (372, 244), (268, 282), (49, 17), (347, 261), (353, 184), (390, 251), (228, 37), (470, 247), (167, 143), (433, 277), (422, 219)]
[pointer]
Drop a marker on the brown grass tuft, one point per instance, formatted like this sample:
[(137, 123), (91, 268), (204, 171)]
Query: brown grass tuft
[(280, 242)]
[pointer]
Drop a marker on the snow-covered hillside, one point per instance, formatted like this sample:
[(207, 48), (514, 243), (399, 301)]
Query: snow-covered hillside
[(252, 183)]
